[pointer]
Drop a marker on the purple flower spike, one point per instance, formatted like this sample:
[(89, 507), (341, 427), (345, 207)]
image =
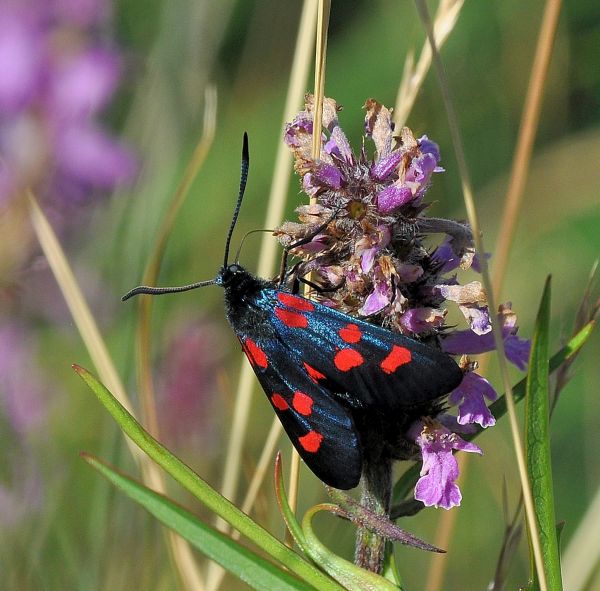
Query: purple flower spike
[(437, 486), (470, 398)]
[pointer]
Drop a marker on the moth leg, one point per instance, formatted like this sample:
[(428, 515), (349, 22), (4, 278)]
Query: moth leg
[(319, 288), (301, 242)]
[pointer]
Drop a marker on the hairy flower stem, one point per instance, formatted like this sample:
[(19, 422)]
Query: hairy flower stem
[(376, 498)]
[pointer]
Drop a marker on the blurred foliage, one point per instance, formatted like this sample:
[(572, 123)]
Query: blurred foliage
[(84, 535)]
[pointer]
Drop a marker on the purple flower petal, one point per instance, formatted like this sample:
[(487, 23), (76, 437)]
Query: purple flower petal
[(384, 167), (338, 144), (428, 147), (420, 169), (470, 398), (466, 342), (517, 350), (478, 318), (377, 300), (318, 244), (329, 176), (418, 320), (393, 197), (296, 131), (437, 486), (367, 258)]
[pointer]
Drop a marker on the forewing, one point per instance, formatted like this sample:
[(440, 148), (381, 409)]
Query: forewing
[(377, 368), (319, 426)]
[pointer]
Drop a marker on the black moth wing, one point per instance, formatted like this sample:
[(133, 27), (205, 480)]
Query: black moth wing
[(373, 367), (321, 429)]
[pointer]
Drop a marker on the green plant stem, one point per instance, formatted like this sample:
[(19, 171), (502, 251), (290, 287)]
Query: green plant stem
[(376, 498)]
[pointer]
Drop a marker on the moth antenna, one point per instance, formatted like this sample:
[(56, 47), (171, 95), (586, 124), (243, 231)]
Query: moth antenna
[(243, 179), (145, 289), (237, 254)]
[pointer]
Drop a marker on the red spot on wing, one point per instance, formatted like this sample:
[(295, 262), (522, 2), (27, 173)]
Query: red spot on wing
[(295, 302), (314, 374), (302, 403), (398, 356), (311, 442), (255, 353), (279, 402), (346, 359), (291, 319), (350, 333)]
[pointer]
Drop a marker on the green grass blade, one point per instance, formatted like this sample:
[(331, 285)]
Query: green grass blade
[(537, 443), (254, 570), (204, 492)]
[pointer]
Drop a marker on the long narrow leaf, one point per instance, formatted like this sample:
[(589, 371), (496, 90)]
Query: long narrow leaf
[(537, 443), (243, 563), (203, 491)]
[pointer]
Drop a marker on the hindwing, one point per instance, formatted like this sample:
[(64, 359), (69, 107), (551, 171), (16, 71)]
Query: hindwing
[(319, 426)]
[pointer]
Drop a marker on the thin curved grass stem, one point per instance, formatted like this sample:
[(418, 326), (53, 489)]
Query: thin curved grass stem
[(319, 94), (498, 341)]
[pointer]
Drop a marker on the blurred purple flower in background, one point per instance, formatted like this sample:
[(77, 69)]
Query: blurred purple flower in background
[(23, 394), (56, 75), (58, 71), (189, 384), (24, 397)]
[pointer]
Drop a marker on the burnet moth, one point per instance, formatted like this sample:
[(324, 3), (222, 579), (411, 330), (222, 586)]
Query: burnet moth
[(342, 388)]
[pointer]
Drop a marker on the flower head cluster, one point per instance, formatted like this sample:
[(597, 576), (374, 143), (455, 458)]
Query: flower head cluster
[(55, 77), (373, 253)]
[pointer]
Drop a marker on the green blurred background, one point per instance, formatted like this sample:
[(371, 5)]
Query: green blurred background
[(84, 535)]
